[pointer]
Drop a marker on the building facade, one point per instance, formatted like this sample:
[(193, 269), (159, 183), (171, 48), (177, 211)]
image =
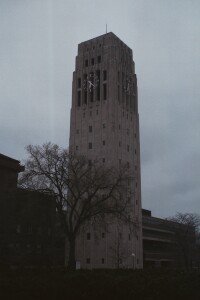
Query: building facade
[(27, 222), (105, 127), (168, 244)]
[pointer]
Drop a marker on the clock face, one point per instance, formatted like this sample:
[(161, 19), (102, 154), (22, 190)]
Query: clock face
[(91, 82)]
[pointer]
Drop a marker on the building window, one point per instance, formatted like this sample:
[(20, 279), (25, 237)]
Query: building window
[(104, 125), (90, 128), (129, 199), (103, 160), (129, 237), (136, 184), (127, 131), (83, 115), (118, 93), (104, 75), (85, 97), (86, 63), (119, 144), (103, 235), (97, 112), (119, 126), (79, 83), (92, 61), (103, 142), (76, 147), (90, 145), (102, 261), (128, 165), (127, 148), (135, 151), (104, 91), (77, 131), (87, 260), (79, 98), (99, 59), (88, 236), (120, 161)]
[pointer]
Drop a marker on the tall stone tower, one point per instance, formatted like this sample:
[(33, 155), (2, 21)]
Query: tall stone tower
[(105, 127)]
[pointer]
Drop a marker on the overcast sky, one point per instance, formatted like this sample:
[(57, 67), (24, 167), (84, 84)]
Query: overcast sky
[(38, 45)]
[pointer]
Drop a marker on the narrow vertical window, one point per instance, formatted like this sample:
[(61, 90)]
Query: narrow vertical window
[(88, 236), (99, 59), (85, 97), (86, 63), (79, 98), (118, 93), (92, 61), (79, 83), (104, 91), (104, 75), (90, 128)]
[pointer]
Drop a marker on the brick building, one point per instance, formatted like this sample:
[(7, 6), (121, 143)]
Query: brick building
[(27, 222), (166, 243)]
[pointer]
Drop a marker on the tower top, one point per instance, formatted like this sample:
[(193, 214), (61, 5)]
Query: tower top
[(108, 38)]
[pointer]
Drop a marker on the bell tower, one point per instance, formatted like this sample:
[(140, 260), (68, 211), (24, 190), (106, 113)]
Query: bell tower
[(105, 127)]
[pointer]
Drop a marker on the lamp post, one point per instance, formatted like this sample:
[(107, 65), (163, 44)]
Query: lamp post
[(133, 256)]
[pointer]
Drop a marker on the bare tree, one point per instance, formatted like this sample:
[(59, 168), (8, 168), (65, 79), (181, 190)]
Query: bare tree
[(185, 227), (84, 191)]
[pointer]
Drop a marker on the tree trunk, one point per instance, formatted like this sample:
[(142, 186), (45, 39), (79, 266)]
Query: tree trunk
[(72, 260)]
